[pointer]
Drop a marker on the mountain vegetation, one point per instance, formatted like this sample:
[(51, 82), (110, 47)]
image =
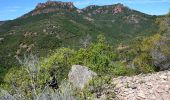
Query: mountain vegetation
[(56, 24), (111, 40)]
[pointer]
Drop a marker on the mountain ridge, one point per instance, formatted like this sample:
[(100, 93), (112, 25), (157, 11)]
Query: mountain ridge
[(49, 30), (56, 6)]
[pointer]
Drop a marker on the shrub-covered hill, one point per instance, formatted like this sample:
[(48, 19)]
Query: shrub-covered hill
[(60, 24)]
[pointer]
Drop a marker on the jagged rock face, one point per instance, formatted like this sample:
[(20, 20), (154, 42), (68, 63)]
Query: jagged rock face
[(49, 10), (68, 5), (118, 9), (55, 6), (110, 9), (52, 6)]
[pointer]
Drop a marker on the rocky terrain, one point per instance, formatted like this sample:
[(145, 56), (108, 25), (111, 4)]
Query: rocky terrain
[(50, 7), (109, 9), (154, 86), (56, 6), (52, 3)]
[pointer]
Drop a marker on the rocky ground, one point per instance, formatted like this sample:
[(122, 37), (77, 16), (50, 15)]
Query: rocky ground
[(154, 86)]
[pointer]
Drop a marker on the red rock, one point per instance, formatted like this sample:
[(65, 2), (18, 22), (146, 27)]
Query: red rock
[(118, 9)]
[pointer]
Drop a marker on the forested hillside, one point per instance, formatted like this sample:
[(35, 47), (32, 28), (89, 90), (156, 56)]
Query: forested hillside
[(56, 24)]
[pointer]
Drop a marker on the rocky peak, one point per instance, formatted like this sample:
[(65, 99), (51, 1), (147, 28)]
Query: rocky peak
[(59, 4), (50, 7), (118, 8), (108, 9)]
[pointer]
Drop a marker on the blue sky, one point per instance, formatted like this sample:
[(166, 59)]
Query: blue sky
[(11, 9)]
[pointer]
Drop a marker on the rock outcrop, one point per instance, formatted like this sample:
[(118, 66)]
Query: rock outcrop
[(57, 6), (143, 87), (80, 76), (51, 6), (109, 9), (161, 54), (154, 86), (118, 8), (68, 5)]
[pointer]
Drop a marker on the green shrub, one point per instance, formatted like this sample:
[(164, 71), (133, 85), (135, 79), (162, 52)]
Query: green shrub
[(58, 63), (119, 69), (97, 87), (97, 56), (143, 61)]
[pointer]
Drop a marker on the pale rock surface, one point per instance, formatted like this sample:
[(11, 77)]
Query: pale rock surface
[(154, 86), (79, 76)]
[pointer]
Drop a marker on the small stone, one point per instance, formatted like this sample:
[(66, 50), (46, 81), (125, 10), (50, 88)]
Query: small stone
[(126, 90), (142, 95), (44, 30), (163, 77), (149, 84), (133, 86), (160, 89)]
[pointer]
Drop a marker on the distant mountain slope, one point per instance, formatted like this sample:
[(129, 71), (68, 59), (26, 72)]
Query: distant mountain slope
[(55, 24), (120, 22), (2, 22)]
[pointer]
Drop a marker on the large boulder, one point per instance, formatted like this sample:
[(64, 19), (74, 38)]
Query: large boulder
[(79, 76), (160, 60), (161, 53)]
